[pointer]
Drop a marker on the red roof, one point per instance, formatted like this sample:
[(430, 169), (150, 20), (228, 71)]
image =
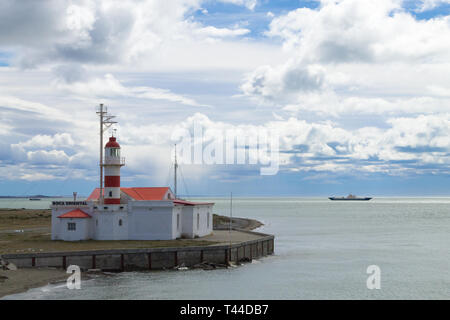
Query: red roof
[(77, 213), (155, 193), (147, 194), (95, 194), (112, 143)]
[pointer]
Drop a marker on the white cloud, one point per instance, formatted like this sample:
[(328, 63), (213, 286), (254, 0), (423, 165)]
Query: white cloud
[(56, 157), (355, 30), (42, 141), (250, 4), (357, 58), (330, 104), (353, 56), (37, 176), (410, 144), (102, 32), (284, 81), (109, 87), (211, 31), (431, 4)]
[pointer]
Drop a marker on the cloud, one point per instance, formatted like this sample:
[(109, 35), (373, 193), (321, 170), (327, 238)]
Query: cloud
[(211, 31), (101, 32), (282, 82), (356, 57), (37, 176), (355, 87), (250, 4), (361, 31), (110, 87), (330, 104), (56, 157), (42, 141), (427, 5), (414, 145)]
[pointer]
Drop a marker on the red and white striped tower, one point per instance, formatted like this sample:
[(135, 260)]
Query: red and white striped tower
[(112, 165)]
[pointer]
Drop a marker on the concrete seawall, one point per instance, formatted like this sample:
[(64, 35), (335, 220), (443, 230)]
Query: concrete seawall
[(151, 258)]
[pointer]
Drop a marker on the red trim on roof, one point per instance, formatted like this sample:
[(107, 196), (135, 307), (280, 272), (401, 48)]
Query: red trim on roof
[(77, 213)]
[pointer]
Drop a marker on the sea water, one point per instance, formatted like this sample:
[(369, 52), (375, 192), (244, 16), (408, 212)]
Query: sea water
[(322, 251)]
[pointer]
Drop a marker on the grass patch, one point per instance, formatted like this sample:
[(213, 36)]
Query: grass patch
[(12, 219)]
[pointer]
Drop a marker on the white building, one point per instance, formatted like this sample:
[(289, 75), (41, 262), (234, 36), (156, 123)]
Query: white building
[(129, 213)]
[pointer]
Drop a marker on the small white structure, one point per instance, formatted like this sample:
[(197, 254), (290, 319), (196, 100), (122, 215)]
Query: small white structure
[(129, 213)]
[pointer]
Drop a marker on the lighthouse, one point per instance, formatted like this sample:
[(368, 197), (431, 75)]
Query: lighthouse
[(113, 212), (112, 164)]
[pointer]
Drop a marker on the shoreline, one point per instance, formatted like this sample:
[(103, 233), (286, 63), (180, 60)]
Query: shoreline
[(23, 279), (223, 223)]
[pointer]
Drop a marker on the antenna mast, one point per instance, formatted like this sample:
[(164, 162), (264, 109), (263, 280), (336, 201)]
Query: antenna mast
[(105, 123), (175, 167)]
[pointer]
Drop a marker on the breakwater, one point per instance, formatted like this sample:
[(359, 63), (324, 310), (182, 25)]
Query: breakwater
[(150, 258)]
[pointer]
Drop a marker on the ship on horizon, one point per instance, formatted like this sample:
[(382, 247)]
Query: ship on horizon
[(350, 197)]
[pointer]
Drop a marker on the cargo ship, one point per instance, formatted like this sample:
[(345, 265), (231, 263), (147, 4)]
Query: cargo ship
[(350, 197)]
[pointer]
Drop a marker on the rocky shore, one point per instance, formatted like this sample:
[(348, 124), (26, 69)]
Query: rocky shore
[(223, 223)]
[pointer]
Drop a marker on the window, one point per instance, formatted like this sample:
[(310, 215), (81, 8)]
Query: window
[(96, 222), (208, 221), (114, 152), (178, 221), (120, 222), (71, 226), (110, 194), (198, 221)]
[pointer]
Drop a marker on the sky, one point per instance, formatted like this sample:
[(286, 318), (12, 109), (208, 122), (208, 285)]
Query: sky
[(358, 92)]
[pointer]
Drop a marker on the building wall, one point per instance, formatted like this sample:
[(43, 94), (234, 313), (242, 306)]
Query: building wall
[(195, 221), (151, 220), (80, 233), (201, 225), (59, 225), (110, 225), (187, 222), (137, 220), (177, 221)]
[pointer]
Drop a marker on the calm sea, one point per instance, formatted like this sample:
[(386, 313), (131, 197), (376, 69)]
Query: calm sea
[(322, 251)]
